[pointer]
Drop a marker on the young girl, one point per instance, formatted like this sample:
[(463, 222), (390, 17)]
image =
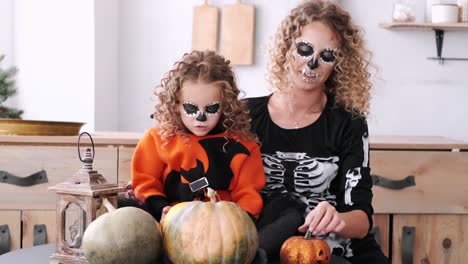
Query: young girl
[(202, 139)]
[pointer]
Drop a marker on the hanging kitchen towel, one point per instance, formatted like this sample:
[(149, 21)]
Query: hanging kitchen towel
[(238, 33), (205, 27)]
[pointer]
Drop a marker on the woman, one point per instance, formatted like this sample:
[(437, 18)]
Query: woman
[(314, 136)]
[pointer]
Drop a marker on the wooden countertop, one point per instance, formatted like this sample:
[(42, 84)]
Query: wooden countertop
[(99, 139), (131, 139), (416, 142)]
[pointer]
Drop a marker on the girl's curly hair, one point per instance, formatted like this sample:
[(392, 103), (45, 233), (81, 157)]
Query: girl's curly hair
[(349, 82), (207, 67)]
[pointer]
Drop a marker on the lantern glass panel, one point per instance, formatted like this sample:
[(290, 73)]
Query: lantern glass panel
[(75, 221), (100, 208)]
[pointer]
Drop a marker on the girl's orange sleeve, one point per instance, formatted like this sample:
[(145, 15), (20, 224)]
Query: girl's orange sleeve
[(147, 168), (249, 180)]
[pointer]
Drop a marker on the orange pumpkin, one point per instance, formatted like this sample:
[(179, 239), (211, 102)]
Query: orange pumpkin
[(305, 250), (209, 232)]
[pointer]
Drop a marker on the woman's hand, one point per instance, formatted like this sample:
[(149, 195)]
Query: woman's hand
[(165, 210), (322, 220)]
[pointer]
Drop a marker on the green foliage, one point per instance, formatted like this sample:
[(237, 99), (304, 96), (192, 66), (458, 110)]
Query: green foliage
[(7, 89)]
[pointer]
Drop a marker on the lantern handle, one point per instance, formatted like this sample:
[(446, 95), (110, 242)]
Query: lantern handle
[(92, 144)]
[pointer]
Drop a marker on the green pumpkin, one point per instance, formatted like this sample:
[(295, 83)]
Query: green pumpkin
[(124, 235), (209, 232)]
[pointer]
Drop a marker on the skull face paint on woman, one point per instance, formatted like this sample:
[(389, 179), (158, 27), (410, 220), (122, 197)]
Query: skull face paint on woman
[(314, 55)]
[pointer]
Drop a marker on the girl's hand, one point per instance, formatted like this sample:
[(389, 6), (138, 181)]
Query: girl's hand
[(322, 220), (165, 210)]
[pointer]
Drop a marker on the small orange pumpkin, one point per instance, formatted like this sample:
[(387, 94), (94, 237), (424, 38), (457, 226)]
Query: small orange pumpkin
[(305, 250)]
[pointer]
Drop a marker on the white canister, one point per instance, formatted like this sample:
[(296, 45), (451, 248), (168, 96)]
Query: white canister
[(444, 13), (429, 3)]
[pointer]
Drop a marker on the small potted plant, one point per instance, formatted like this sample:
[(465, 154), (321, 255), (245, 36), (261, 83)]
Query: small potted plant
[(7, 89)]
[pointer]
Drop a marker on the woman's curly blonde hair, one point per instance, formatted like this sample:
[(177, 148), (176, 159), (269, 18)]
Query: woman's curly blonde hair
[(349, 82), (207, 67)]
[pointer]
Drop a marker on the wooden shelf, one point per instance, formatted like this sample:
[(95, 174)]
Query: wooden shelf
[(423, 26), (438, 28)]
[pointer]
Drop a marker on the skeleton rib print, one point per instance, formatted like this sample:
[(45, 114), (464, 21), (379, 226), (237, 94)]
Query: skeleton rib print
[(307, 180), (304, 178)]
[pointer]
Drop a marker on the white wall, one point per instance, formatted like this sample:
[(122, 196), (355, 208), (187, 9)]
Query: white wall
[(6, 39), (100, 63), (414, 96), (6, 31), (67, 53), (54, 50), (154, 34), (106, 44)]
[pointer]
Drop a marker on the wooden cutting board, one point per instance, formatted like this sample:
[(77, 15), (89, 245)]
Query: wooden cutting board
[(238, 33), (205, 27)]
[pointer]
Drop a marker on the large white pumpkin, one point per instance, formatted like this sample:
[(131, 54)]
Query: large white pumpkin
[(124, 235)]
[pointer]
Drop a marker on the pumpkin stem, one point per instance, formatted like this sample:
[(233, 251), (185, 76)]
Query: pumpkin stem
[(308, 235), (108, 205), (212, 195)]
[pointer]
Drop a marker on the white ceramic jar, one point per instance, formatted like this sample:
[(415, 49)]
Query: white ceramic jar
[(429, 3), (444, 13)]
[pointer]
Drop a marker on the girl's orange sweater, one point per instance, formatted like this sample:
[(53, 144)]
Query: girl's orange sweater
[(233, 168)]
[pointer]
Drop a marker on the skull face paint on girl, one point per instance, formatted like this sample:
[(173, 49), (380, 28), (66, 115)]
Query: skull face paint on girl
[(200, 106), (192, 110)]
